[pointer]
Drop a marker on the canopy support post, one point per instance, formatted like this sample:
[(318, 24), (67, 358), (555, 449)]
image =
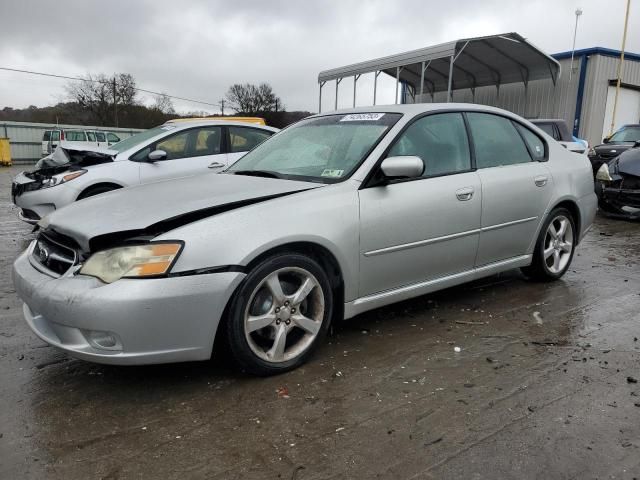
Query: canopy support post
[(355, 83), (450, 83), (338, 80), (375, 84), (398, 69), (320, 97)]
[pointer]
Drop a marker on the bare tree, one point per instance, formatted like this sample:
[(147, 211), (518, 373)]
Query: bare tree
[(95, 94), (164, 104), (248, 98)]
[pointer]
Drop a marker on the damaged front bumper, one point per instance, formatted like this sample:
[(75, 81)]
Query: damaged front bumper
[(619, 202), (36, 202), (127, 322)]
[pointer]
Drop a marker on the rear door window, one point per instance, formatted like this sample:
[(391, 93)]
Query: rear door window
[(47, 136), (75, 136), (55, 135), (91, 136), (496, 141), (100, 136), (243, 139)]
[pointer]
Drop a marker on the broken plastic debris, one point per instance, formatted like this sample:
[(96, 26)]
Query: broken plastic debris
[(457, 349), (538, 318), (283, 392)]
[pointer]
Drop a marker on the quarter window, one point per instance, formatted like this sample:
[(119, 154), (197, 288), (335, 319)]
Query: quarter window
[(440, 141), (101, 137), (533, 141), (243, 139), (113, 138), (496, 141)]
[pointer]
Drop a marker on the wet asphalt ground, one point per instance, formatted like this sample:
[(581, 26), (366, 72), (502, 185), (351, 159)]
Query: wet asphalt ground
[(543, 387)]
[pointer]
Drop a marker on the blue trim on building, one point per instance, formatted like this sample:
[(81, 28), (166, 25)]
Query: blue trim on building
[(607, 52), (584, 58)]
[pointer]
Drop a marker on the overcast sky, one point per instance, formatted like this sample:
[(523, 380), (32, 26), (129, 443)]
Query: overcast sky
[(196, 49)]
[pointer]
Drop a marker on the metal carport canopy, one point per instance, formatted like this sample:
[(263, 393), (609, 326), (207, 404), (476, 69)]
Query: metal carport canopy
[(466, 63)]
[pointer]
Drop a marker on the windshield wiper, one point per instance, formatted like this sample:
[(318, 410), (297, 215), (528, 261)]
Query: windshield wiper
[(257, 173)]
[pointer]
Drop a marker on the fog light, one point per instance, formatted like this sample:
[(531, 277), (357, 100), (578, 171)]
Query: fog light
[(103, 340)]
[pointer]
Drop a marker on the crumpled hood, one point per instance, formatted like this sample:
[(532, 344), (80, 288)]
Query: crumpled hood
[(629, 162), (161, 206)]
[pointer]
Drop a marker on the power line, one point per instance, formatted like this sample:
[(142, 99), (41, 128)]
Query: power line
[(108, 82)]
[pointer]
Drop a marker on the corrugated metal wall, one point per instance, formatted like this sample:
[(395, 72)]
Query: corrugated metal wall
[(26, 138), (600, 70), (544, 100)]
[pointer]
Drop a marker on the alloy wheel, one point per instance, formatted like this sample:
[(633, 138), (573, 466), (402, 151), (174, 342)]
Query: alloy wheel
[(284, 314), (558, 244)]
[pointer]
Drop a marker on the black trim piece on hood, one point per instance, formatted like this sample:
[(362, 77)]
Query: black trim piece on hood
[(207, 270), (109, 240)]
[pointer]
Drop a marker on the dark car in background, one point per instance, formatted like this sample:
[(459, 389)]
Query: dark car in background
[(558, 129), (618, 185), (625, 138)]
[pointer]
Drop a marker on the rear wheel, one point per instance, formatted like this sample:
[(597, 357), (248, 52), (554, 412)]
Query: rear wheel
[(279, 314), (555, 247)]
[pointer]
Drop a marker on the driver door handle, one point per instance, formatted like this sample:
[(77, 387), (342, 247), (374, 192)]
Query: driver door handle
[(464, 194), (216, 165), (541, 180)]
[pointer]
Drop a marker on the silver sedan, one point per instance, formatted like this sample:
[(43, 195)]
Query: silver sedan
[(339, 214)]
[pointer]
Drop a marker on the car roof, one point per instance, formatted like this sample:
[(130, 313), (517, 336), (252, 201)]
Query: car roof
[(204, 123), (546, 120), (413, 109)]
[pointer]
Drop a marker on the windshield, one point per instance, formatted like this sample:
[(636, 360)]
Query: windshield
[(139, 138), (326, 149), (628, 134)]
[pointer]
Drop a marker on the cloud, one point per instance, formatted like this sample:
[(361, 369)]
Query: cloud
[(197, 49)]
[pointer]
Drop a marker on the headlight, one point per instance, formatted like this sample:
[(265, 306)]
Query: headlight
[(603, 173), (592, 152), (58, 179), (136, 261)]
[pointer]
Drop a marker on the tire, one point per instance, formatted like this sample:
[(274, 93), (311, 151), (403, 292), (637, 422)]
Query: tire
[(273, 330), (552, 256), (98, 189)]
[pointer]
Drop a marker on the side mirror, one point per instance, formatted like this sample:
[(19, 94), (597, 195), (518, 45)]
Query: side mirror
[(157, 155), (402, 167), (605, 140)]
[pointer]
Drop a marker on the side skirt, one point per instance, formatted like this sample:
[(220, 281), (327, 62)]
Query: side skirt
[(387, 297)]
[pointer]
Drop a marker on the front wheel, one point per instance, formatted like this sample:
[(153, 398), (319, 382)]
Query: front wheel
[(555, 247), (279, 314)]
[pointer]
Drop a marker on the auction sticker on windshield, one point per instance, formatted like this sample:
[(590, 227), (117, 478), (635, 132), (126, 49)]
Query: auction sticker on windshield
[(330, 172), (359, 117)]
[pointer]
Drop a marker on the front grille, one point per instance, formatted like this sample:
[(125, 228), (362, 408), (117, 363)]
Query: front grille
[(53, 255), (630, 182)]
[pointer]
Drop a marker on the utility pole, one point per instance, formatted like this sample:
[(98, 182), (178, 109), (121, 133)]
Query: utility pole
[(115, 102), (276, 104), (222, 107), (620, 69)]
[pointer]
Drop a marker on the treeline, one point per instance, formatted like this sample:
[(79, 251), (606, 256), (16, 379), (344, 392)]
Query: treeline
[(113, 102)]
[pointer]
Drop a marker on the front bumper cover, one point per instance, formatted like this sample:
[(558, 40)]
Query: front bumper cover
[(154, 320), (618, 201)]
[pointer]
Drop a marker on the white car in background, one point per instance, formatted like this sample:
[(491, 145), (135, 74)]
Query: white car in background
[(175, 149), (76, 137)]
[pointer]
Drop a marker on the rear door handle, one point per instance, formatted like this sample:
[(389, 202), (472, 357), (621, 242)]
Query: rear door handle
[(216, 165), (464, 194), (541, 180)]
